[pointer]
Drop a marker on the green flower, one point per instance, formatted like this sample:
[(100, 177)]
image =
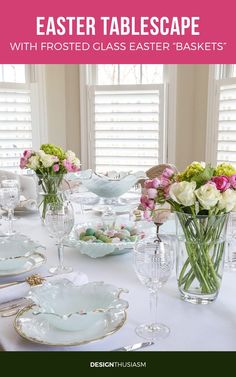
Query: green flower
[(224, 169), (191, 171), (53, 150)]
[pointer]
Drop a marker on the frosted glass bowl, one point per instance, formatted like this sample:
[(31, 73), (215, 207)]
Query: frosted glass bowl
[(14, 250), (105, 187), (98, 250), (73, 308)]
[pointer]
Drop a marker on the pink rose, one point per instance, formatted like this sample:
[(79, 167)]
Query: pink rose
[(56, 167), (222, 182), (232, 181), (23, 162), (75, 168), (67, 164), (27, 154), (167, 173), (152, 193)]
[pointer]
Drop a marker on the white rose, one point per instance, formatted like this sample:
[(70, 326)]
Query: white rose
[(183, 193), (208, 195), (33, 162), (41, 153), (47, 160), (70, 156), (227, 201)]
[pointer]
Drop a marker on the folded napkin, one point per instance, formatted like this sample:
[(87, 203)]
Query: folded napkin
[(21, 289), (27, 205)]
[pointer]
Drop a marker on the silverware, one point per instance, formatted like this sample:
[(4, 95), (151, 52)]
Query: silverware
[(134, 347), (12, 304), (34, 279), (15, 309)]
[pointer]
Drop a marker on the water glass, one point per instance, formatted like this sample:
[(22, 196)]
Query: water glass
[(153, 263), (9, 198), (59, 221)]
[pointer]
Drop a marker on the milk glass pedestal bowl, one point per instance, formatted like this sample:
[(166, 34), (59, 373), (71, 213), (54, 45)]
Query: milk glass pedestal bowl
[(111, 189)]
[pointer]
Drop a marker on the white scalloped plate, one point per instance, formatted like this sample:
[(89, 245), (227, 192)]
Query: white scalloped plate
[(26, 265), (38, 330)]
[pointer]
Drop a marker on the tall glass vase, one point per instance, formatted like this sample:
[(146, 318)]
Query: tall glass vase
[(50, 187), (200, 256)]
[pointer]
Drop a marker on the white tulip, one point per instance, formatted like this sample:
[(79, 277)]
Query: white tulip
[(183, 193), (208, 195), (227, 201)]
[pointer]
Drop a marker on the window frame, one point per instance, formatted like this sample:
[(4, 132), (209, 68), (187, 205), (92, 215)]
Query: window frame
[(214, 85), (36, 84), (87, 72)]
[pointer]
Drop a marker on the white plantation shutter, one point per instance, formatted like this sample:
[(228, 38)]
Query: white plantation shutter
[(126, 126), (226, 140), (15, 126)]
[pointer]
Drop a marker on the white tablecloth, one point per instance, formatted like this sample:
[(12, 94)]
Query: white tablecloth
[(193, 327)]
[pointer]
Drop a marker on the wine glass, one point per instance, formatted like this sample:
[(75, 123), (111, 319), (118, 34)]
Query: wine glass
[(153, 263), (9, 198), (59, 221)]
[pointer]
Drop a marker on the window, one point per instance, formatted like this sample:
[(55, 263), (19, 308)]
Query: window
[(221, 142), (125, 118), (22, 112)]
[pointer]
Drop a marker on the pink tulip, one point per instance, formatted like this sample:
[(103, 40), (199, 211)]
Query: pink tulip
[(167, 173), (152, 193), (146, 202), (232, 181), (156, 183), (165, 182), (56, 167), (222, 182), (23, 162), (148, 183), (27, 154), (147, 215)]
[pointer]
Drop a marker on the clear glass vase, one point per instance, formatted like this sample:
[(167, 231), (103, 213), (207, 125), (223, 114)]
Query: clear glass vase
[(200, 256), (49, 191)]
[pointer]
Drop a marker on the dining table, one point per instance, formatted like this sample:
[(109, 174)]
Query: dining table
[(209, 327)]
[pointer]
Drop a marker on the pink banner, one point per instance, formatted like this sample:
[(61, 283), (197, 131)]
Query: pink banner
[(106, 31)]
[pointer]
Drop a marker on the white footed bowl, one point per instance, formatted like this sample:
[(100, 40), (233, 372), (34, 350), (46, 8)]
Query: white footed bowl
[(73, 308)]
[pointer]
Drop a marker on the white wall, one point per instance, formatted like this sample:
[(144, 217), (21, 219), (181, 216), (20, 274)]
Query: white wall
[(62, 93)]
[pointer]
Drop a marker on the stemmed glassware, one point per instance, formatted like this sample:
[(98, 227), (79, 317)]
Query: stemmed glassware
[(153, 263), (59, 221), (9, 198)]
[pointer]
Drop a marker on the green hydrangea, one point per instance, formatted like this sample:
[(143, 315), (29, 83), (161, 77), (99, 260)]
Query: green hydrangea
[(191, 171), (53, 150), (224, 169)]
